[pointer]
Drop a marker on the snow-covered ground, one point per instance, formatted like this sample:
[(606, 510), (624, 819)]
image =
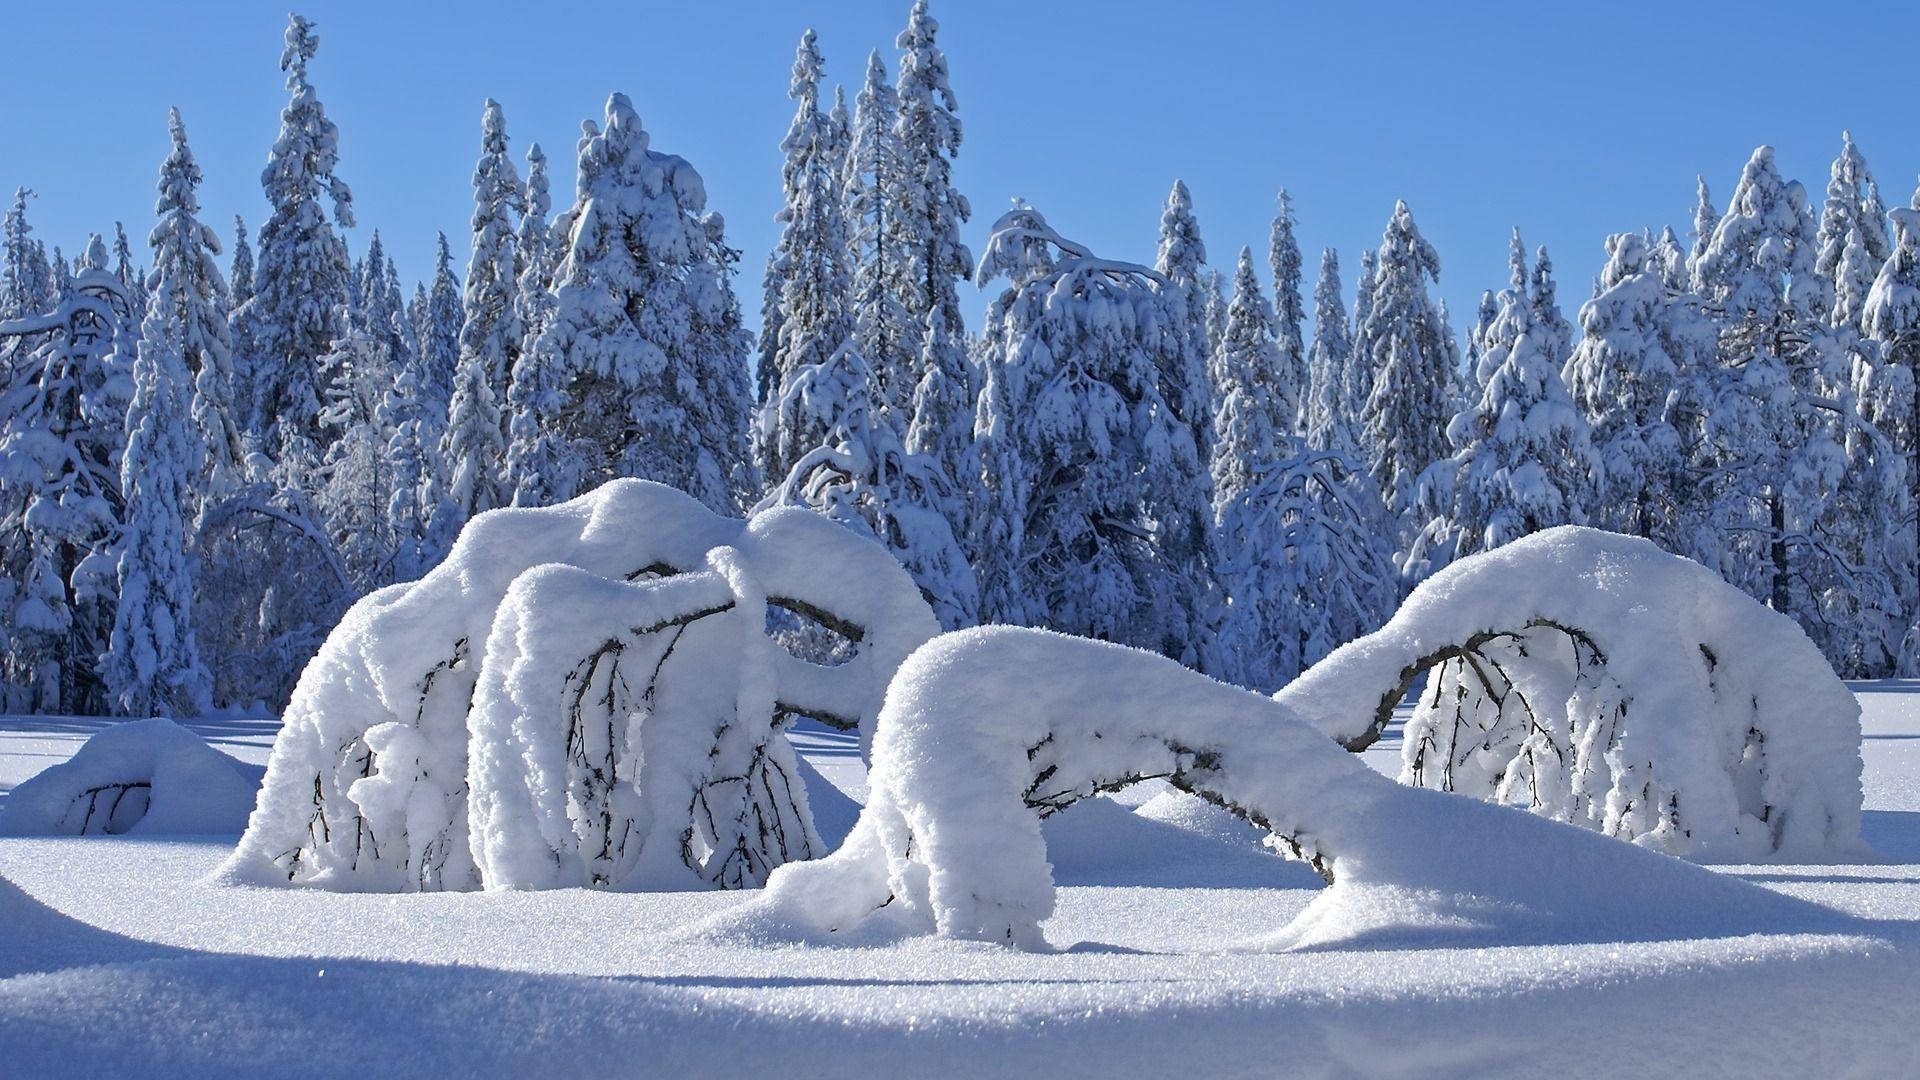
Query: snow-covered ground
[(118, 955)]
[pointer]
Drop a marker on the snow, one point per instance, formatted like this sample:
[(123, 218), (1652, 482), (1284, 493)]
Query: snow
[(229, 980), (139, 777), (986, 731), (1684, 716), (454, 684)]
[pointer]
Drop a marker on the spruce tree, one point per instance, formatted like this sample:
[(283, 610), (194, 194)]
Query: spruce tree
[(533, 242), (1892, 317), (811, 255), (859, 474), (1705, 219), (883, 329), (1546, 309), (1087, 519), (152, 662), (1401, 343), (25, 277), (1634, 346), (928, 211), (62, 432), (1329, 425), (1853, 205), (474, 447), (1522, 460), (184, 266), (1772, 454), (1283, 257), (641, 370), (300, 282), (1245, 438), (1182, 259)]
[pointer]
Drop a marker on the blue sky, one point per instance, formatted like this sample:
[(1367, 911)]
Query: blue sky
[(1569, 121)]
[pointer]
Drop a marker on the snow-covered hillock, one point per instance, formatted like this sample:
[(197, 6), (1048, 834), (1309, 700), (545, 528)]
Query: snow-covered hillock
[(580, 694), (138, 777), (1602, 681), (986, 732)]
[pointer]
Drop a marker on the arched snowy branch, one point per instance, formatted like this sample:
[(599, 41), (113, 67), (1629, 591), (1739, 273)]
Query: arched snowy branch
[(1599, 680), (368, 785), (986, 731)]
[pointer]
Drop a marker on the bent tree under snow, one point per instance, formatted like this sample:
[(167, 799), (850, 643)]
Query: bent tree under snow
[(1601, 681), (579, 695), (987, 731)]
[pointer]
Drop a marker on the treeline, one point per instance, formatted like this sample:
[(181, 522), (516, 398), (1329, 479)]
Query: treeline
[(200, 469)]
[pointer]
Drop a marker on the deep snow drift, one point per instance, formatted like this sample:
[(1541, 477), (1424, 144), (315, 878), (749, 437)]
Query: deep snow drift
[(121, 956), (1602, 681)]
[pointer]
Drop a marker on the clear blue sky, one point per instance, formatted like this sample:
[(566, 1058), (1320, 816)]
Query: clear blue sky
[(1571, 122)]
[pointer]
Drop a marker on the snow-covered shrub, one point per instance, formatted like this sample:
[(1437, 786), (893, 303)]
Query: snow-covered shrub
[(145, 777), (987, 731), (368, 786), (1601, 681)]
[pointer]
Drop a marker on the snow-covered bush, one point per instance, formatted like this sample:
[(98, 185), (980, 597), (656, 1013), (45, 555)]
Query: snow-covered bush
[(417, 697), (145, 777), (987, 731), (1604, 682)]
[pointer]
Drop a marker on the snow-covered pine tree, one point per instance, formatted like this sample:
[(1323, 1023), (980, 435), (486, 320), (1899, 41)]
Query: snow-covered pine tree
[(1888, 400), (927, 210), (811, 256), (438, 329), (1302, 554), (1289, 314), (862, 476), (1772, 455), (883, 329), (942, 426), (1358, 383), (1522, 459), (1213, 288), (1329, 426), (1182, 260), (356, 480), (473, 451), (300, 282), (1546, 309), (184, 266), (1080, 526), (533, 241), (1401, 343), (1247, 367), (1705, 219), (1853, 279), (1621, 376), (131, 276), (25, 276), (152, 662), (641, 371), (62, 431), (240, 342), (1853, 205)]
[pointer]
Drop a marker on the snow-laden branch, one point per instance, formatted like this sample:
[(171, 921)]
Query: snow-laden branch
[(1604, 682), (987, 731), (633, 681)]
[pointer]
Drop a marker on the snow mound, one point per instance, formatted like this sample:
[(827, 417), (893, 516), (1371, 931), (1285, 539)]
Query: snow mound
[(1604, 682), (986, 732), (559, 700), (139, 777)]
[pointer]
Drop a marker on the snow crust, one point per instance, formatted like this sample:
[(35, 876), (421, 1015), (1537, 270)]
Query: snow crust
[(984, 732), (139, 778), (1604, 682), (368, 784)]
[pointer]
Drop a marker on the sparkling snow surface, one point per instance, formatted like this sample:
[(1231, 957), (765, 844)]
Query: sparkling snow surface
[(118, 955)]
